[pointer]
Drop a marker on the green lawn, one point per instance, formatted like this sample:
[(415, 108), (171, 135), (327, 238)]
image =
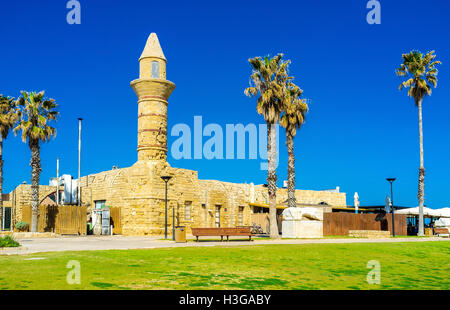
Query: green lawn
[(421, 265)]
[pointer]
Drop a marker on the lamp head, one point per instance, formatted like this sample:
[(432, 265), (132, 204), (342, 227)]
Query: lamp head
[(166, 178), (391, 179)]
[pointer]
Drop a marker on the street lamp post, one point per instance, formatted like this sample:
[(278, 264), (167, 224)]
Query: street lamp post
[(79, 162), (391, 180), (173, 223), (166, 179), (57, 181)]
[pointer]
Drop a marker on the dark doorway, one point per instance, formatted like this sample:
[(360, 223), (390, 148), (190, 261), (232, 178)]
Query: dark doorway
[(7, 219), (381, 217)]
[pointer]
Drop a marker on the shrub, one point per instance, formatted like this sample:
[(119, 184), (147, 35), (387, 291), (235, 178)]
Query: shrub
[(22, 226), (8, 242)]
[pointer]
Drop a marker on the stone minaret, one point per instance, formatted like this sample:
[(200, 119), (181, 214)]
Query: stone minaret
[(153, 92)]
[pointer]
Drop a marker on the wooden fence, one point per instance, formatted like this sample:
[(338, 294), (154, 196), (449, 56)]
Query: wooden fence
[(263, 220), (339, 224), (64, 220)]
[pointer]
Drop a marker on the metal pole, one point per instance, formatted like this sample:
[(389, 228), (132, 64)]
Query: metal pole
[(57, 181), (2, 213), (79, 162), (165, 227), (393, 217), (173, 223)]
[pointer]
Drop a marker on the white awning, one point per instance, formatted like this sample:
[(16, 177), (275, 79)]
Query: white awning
[(444, 212), (415, 211)]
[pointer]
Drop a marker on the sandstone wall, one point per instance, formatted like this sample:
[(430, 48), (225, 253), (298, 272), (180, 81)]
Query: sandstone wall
[(139, 192), (21, 196)]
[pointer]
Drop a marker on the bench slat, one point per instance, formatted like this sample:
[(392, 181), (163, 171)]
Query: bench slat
[(222, 232), (439, 231)]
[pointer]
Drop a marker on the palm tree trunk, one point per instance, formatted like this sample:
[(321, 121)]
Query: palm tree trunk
[(272, 180), (421, 192), (1, 183), (35, 164), (291, 171)]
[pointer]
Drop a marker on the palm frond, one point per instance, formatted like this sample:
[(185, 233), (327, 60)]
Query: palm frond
[(420, 71), (268, 75), (35, 112), (8, 115)]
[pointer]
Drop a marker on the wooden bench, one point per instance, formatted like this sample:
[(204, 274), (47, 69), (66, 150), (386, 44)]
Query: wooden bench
[(222, 232), (441, 232)]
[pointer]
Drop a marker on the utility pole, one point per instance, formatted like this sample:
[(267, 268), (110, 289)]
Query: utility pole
[(392, 180), (166, 179), (57, 181), (79, 162)]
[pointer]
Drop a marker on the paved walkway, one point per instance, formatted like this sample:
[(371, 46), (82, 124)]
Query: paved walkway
[(91, 243)]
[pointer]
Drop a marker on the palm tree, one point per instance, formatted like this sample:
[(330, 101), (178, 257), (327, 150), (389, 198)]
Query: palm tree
[(267, 80), (422, 75), (292, 119), (8, 118), (35, 113)]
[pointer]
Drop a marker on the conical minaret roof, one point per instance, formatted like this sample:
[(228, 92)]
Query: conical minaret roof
[(153, 48)]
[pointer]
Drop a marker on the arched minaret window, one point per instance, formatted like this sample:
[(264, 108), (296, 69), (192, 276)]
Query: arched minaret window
[(155, 70)]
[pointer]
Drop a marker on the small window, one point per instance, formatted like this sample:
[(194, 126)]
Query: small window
[(241, 216), (99, 204), (218, 207), (187, 211), (205, 215), (155, 70)]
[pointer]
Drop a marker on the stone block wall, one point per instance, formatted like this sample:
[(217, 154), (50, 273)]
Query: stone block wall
[(21, 196), (140, 194)]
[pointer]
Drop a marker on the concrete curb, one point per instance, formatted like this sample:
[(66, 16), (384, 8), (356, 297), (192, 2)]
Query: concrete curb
[(13, 251)]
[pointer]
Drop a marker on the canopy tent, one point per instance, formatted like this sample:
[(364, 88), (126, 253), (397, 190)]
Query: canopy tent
[(442, 222), (445, 212)]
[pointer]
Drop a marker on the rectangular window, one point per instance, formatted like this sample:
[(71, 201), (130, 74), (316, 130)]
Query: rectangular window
[(187, 211), (218, 216), (241, 216), (155, 70), (205, 215), (99, 204)]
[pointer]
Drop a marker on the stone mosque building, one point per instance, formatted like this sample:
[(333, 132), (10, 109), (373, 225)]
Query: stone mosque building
[(139, 191)]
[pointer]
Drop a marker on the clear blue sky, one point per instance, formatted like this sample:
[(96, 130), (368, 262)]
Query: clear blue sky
[(360, 128)]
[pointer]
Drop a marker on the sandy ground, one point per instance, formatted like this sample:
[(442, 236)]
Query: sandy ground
[(91, 243)]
